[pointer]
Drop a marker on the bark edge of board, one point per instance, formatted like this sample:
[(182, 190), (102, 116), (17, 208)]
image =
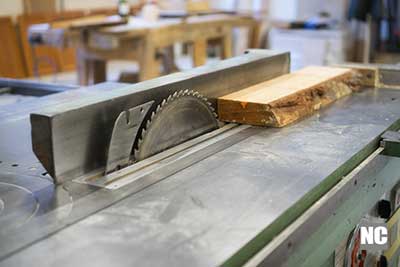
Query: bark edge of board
[(288, 98)]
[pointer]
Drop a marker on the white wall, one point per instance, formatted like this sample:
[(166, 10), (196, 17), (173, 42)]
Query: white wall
[(289, 10), (283, 10), (11, 7), (309, 8), (245, 5)]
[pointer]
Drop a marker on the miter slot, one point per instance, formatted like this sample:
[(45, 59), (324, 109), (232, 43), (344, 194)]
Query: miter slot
[(123, 136)]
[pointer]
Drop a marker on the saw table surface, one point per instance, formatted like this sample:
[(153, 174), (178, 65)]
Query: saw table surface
[(199, 216)]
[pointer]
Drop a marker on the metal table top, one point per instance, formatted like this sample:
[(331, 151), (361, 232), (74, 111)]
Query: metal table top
[(199, 216)]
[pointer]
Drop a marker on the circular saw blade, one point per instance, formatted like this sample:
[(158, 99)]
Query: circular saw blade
[(183, 116)]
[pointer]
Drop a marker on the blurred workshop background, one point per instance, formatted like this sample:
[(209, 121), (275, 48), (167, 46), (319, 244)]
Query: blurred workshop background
[(87, 42)]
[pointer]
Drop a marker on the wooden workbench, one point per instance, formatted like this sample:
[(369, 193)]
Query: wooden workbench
[(140, 40)]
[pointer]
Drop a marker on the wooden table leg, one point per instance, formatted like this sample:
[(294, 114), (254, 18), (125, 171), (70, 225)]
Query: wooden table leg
[(98, 71), (149, 66), (227, 45), (82, 67), (254, 35), (90, 71), (168, 60), (199, 52)]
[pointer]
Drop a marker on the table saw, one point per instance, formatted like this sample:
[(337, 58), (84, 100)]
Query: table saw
[(147, 175)]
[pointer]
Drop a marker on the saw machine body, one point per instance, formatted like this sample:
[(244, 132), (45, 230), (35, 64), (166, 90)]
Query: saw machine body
[(148, 174)]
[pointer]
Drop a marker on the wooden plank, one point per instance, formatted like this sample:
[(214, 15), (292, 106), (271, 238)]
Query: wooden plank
[(11, 60), (288, 98)]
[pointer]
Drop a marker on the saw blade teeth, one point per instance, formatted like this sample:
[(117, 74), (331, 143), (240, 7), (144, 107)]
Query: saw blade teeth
[(142, 143), (148, 122)]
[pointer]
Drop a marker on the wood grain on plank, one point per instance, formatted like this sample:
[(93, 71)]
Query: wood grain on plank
[(286, 99)]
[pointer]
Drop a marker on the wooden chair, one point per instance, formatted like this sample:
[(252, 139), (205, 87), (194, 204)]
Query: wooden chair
[(64, 59), (11, 59)]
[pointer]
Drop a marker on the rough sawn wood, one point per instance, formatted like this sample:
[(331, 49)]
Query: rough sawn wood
[(288, 98)]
